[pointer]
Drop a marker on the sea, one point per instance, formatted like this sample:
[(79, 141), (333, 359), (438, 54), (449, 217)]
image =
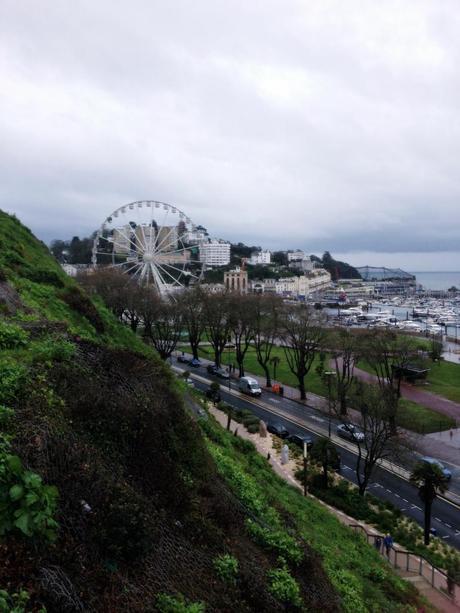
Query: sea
[(441, 280)]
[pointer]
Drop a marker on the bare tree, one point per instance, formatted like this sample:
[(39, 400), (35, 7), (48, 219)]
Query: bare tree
[(267, 311), (242, 319), (162, 320), (302, 334), (217, 317), (191, 304), (388, 353), (111, 285), (343, 348), (377, 440)]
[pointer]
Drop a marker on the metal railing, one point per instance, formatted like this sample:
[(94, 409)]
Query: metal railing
[(413, 563)]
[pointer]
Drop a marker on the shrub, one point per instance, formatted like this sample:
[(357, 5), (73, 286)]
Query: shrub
[(77, 300), (276, 540), (226, 567), (252, 428), (177, 604), (12, 376), (12, 336), (40, 275), (53, 350), (121, 525), (26, 504), (6, 415), (284, 587), (13, 603)]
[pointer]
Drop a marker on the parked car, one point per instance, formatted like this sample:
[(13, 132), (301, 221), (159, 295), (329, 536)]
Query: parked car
[(195, 362), (434, 462), (221, 373), (278, 430), (183, 359), (350, 432), (212, 369), (300, 439), (250, 386)]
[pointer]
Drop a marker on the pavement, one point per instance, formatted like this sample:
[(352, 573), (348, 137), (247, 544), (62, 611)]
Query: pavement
[(428, 580)]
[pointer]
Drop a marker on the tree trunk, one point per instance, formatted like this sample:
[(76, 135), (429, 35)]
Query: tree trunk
[(427, 526), (343, 404), (194, 348), (303, 392), (267, 375), (241, 368)]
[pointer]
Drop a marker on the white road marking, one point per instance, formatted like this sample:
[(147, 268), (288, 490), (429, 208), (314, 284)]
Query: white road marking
[(439, 520), (448, 525), (316, 418), (414, 506), (274, 400), (405, 500), (389, 491), (397, 495), (446, 537)]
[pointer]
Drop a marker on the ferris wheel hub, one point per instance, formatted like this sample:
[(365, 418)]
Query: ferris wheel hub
[(148, 257)]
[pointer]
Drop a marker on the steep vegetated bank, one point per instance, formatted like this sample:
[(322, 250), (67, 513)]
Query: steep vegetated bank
[(113, 498)]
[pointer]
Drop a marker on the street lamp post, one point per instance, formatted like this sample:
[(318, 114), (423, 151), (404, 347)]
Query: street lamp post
[(305, 460), (329, 374)]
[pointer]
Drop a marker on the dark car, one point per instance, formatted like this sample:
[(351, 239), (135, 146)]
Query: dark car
[(278, 430), (183, 359), (222, 373), (300, 439), (212, 369), (195, 362)]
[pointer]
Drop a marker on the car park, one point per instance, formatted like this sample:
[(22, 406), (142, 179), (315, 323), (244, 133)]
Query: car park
[(300, 439), (195, 363), (434, 462), (350, 432), (278, 430)]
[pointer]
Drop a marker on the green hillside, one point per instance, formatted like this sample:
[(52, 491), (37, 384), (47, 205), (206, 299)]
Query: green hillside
[(115, 496)]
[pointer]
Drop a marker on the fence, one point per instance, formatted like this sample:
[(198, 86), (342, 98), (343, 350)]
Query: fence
[(414, 563)]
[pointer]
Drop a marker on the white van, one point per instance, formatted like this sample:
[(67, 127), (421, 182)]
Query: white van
[(250, 386)]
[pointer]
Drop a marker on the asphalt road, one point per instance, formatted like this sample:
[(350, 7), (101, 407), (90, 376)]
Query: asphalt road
[(384, 484)]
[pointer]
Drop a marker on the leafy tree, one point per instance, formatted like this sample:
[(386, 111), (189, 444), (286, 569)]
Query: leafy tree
[(430, 481), (280, 258), (302, 333)]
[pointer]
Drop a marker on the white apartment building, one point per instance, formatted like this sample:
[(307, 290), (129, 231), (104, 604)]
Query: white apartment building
[(260, 257), (215, 253)]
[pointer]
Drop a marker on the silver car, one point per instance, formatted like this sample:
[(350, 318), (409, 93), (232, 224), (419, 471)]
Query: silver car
[(350, 432)]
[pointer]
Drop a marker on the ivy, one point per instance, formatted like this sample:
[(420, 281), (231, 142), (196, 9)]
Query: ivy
[(226, 567), (12, 336)]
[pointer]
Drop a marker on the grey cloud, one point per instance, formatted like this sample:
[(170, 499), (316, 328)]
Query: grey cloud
[(318, 125)]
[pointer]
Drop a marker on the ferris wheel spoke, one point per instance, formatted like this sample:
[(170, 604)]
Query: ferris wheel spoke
[(168, 273), (128, 238), (161, 247), (136, 265), (181, 270)]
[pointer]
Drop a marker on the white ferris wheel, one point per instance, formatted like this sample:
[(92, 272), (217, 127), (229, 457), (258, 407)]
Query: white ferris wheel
[(152, 241)]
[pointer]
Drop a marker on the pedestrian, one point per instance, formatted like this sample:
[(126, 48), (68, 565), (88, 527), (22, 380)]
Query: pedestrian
[(451, 434), (378, 543), (388, 543)]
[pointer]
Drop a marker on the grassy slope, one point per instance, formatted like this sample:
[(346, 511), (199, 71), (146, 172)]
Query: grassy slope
[(362, 578)]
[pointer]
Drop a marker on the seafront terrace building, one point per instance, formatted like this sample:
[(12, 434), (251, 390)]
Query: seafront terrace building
[(236, 280)]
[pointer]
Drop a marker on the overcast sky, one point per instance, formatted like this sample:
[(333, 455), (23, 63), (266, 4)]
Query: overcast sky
[(317, 124)]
